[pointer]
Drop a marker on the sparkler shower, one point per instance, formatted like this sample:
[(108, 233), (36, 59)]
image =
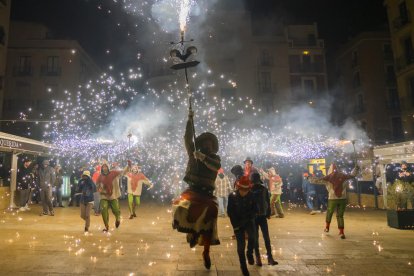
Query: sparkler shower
[(96, 120)]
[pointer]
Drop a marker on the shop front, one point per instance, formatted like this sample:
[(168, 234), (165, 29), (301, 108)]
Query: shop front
[(11, 148)]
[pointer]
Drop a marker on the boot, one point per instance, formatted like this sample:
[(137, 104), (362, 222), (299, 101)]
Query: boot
[(341, 233), (244, 270), (206, 259), (327, 227), (131, 216), (117, 223), (271, 261), (250, 259), (279, 211), (258, 261)]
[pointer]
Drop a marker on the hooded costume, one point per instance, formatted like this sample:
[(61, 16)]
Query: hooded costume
[(135, 180), (336, 183), (195, 211), (275, 188), (108, 186)]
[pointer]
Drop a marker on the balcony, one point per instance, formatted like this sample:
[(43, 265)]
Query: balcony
[(307, 68), (403, 62), (401, 21), (50, 71), (306, 43), (265, 62), (25, 71)]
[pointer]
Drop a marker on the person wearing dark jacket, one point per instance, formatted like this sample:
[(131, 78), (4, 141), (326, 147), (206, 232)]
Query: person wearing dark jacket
[(242, 212), (195, 211), (86, 188), (262, 200), (24, 184)]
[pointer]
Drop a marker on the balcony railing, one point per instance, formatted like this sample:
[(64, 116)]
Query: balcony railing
[(300, 43), (307, 68), (401, 21), (22, 71), (266, 62), (50, 71)]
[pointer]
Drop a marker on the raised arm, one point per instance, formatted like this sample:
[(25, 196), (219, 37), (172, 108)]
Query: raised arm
[(189, 134)]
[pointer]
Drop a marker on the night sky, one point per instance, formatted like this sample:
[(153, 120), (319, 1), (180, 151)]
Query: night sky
[(97, 31)]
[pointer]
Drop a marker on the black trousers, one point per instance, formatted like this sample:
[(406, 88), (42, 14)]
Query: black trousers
[(262, 223), (250, 229)]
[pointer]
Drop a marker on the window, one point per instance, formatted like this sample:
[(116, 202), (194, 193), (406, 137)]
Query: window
[(268, 106), (397, 130), (266, 82), (52, 67), (2, 36), (356, 81), (309, 87), (312, 39), (360, 104), (228, 93), (393, 100), (294, 63), (354, 61), (387, 48), (25, 64), (408, 49), (403, 12), (390, 74), (266, 58), (318, 63), (307, 64)]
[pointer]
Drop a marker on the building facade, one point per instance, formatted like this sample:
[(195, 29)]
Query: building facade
[(4, 38), (401, 24), (367, 80), (40, 68), (277, 66)]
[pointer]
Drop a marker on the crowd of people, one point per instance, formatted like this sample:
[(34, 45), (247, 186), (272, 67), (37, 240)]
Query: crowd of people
[(250, 199), (99, 190)]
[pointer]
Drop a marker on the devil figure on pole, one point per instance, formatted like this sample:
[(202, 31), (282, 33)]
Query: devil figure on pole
[(195, 211)]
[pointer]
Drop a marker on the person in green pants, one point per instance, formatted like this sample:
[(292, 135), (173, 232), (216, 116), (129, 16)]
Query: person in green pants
[(135, 181), (335, 183), (108, 186)]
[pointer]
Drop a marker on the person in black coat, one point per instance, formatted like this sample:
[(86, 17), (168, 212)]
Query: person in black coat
[(262, 200), (241, 209), (24, 184)]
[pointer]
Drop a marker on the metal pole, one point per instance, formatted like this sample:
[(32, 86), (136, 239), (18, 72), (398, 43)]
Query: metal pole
[(356, 179)]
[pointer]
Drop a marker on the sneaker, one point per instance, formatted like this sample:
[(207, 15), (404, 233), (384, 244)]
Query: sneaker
[(27, 207), (135, 215), (342, 236), (105, 230), (326, 230), (52, 213), (43, 214), (86, 229), (313, 212), (131, 216), (281, 216), (22, 209)]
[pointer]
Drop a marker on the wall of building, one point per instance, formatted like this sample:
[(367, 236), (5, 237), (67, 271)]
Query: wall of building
[(4, 38)]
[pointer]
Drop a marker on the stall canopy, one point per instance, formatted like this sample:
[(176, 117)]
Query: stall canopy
[(17, 145), (13, 143)]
